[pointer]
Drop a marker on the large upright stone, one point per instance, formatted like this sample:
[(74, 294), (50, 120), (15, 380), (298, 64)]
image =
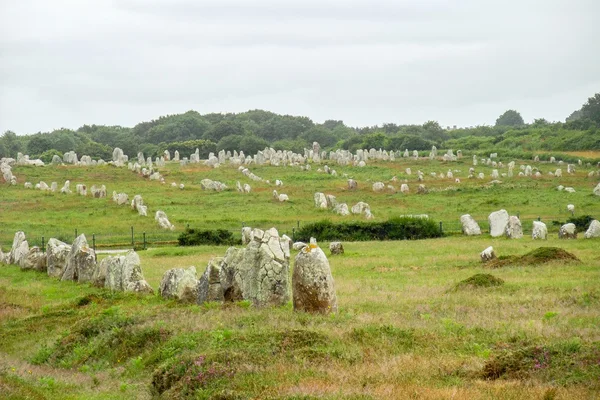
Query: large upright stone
[(540, 231), (259, 272), (35, 259), (180, 284), (498, 221), (597, 190), (514, 230), (57, 253), (593, 231), (312, 283), (19, 249), (320, 200), (122, 274), (209, 284), (568, 231), (469, 225), (81, 262)]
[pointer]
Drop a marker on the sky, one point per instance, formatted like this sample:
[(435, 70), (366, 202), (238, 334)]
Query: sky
[(66, 63)]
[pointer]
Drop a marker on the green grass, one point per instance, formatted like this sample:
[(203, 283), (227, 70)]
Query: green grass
[(399, 330)]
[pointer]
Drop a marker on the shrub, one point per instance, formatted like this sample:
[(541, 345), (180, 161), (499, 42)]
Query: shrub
[(193, 237), (402, 228)]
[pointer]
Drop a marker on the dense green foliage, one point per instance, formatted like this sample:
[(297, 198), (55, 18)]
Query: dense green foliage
[(393, 229), (193, 237), (256, 129)]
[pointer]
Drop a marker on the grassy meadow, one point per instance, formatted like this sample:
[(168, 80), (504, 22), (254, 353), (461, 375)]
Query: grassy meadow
[(404, 328)]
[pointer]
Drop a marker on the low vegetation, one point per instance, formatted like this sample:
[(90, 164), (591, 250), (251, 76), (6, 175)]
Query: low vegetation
[(541, 255)]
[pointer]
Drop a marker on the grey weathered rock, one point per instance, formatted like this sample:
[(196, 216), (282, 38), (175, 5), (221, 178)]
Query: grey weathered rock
[(209, 284), (122, 274), (246, 235), (596, 190), (208, 184), (81, 262), (180, 284), (35, 259), (469, 225), (513, 229), (359, 208), (320, 200), (568, 231), (488, 254), (163, 221), (352, 184), (299, 245), (540, 230), (258, 272), (498, 221), (98, 192), (593, 231), (336, 248), (378, 187), (341, 209), (19, 249), (312, 282), (57, 253)]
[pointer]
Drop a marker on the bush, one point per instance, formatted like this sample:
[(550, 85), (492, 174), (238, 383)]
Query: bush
[(393, 229), (582, 223), (193, 237)]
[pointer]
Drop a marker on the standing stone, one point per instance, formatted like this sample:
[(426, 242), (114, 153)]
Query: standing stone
[(209, 284), (122, 274), (352, 184), (258, 272), (312, 282), (180, 284), (469, 225), (593, 231), (514, 230), (19, 249), (320, 200), (498, 221), (568, 231), (35, 260), (596, 190), (378, 187), (81, 262), (246, 235), (488, 254), (336, 248), (540, 231), (57, 253), (163, 221)]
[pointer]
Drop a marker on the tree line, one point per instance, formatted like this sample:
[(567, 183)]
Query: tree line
[(256, 129)]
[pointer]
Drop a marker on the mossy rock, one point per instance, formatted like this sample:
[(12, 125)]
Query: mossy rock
[(479, 281), (539, 256)]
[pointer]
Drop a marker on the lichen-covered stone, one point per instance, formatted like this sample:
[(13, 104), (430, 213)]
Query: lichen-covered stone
[(180, 284), (57, 253), (312, 282), (81, 262), (209, 284)]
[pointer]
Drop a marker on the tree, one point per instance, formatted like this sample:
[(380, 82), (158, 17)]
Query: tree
[(230, 143), (321, 135), (510, 118), (591, 109)]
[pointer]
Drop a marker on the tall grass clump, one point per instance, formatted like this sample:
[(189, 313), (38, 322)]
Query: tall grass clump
[(399, 228)]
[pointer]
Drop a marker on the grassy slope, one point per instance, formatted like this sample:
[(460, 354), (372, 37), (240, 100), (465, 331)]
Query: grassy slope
[(400, 331), (55, 215)]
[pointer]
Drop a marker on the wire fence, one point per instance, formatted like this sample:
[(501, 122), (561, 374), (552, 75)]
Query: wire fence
[(139, 239)]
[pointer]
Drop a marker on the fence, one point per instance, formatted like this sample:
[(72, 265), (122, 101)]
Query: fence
[(138, 239)]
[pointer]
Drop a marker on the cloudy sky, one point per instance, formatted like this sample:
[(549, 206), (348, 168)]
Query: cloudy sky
[(65, 63)]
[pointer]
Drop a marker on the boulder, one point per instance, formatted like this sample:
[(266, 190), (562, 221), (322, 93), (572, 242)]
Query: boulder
[(259, 272), (122, 274), (180, 284), (336, 248), (312, 283), (514, 230), (246, 235), (298, 246), (469, 225), (57, 253), (359, 207), (404, 188), (81, 262), (35, 259), (163, 221), (540, 231), (596, 190), (341, 209), (488, 254), (19, 249), (209, 284), (378, 187), (498, 221), (352, 184), (593, 231), (568, 231), (320, 200)]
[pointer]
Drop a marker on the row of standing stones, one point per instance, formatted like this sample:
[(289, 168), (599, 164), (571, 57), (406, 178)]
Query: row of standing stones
[(501, 224), (258, 272)]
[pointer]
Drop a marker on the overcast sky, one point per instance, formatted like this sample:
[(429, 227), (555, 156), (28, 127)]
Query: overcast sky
[(65, 63)]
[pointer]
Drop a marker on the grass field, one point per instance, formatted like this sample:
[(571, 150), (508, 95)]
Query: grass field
[(404, 329)]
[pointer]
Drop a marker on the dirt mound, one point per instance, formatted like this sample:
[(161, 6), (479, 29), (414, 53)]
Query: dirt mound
[(539, 256), (478, 281)]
